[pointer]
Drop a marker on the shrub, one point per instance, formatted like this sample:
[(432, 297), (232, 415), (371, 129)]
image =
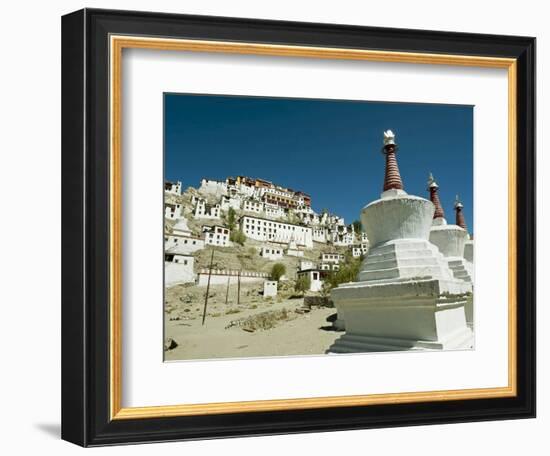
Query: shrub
[(238, 237), (277, 271), (303, 283), (266, 320), (347, 273), (231, 219)]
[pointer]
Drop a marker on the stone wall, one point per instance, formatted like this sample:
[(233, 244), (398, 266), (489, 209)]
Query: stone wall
[(317, 301), (220, 277)]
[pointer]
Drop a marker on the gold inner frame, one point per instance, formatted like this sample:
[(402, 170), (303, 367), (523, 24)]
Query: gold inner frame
[(117, 44)]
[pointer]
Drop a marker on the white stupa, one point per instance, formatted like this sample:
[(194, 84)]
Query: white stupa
[(449, 239), (181, 228), (469, 244), (406, 297), (292, 248)]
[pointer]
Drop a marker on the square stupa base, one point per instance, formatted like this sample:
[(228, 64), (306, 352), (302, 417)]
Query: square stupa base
[(426, 314)]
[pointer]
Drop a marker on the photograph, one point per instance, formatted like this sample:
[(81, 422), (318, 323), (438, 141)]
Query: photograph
[(268, 226), (299, 227)]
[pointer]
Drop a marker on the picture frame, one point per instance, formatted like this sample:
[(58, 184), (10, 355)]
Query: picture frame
[(92, 365)]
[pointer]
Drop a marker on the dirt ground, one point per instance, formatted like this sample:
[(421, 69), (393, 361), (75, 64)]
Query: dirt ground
[(254, 327)]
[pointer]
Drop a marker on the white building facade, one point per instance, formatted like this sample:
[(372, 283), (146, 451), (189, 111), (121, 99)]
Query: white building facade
[(183, 244), (262, 229), (331, 257), (251, 205), (271, 253), (213, 187), (172, 188), (178, 268), (173, 211), (314, 275), (203, 210), (216, 235)]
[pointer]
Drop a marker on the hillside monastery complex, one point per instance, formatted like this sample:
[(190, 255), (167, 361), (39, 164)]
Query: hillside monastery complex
[(279, 218), (414, 289)]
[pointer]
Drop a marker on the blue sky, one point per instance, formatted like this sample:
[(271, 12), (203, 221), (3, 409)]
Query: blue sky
[(326, 148)]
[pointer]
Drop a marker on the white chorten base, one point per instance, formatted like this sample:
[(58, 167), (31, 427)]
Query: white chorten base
[(464, 270), (404, 259), (350, 343), (461, 269), (407, 314)]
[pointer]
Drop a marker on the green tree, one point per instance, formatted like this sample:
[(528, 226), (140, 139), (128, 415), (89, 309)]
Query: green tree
[(348, 272), (357, 226), (238, 237), (231, 218), (277, 271), (303, 283)]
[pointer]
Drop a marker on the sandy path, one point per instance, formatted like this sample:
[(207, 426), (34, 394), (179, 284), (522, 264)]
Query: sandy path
[(300, 336)]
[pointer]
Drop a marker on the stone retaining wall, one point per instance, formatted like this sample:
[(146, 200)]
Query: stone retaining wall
[(221, 276)]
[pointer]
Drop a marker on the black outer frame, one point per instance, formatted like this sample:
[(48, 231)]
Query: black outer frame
[(85, 227)]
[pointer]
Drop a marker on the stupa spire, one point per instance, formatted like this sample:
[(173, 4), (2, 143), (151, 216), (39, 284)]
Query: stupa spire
[(460, 221), (392, 178), (434, 197)]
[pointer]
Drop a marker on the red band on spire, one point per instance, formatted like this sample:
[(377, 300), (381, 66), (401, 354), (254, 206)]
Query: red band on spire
[(392, 178), (434, 198), (460, 218)]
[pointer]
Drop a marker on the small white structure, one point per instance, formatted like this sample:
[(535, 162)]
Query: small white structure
[(182, 240), (329, 267), (173, 188), (293, 250), (183, 244), (306, 264), (181, 228), (262, 229), (270, 288), (271, 253), (216, 235), (314, 275), (178, 268), (173, 211), (203, 210)]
